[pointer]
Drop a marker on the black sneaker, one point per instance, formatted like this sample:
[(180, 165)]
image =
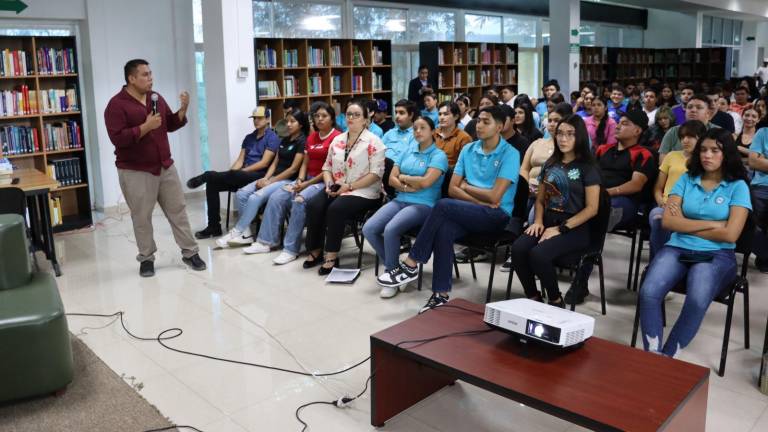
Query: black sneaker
[(762, 265), (477, 255), (195, 262), (195, 182), (398, 276), (208, 232), (147, 269), (507, 266), (436, 300), (405, 244), (576, 293)]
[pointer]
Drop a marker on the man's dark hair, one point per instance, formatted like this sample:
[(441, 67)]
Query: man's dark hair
[(495, 112), (132, 66), (617, 87), (742, 88), (553, 83), (291, 104), (452, 108), (410, 107), (691, 128), (422, 67), (557, 98), (703, 98)]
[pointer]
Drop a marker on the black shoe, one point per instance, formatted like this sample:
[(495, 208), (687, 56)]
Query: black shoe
[(315, 261), (405, 244), (576, 293), (436, 300), (323, 270), (560, 303), (147, 268), (209, 231), (507, 266), (195, 262), (477, 255), (195, 182), (762, 265)]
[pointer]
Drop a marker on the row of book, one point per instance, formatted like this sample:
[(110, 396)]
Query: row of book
[(357, 84), (18, 102), (291, 58), (19, 140), (377, 80), (15, 63), (378, 56), (62, 136), (357, 57), (291, 86), (52, 61), (266, 58), (336, 84), (336, 58), (59, 100), (315, 57), (315, 84), (594, 58), (268, 88), (66, 171)]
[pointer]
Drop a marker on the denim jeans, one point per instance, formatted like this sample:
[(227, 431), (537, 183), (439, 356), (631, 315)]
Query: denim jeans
[(385, 228), (703, 282), (278, 205), (449, 220), (659, 236), (760, 211), (250, 200)]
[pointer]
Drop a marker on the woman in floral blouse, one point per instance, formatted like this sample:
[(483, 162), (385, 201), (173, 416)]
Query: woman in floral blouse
[(352, 175)]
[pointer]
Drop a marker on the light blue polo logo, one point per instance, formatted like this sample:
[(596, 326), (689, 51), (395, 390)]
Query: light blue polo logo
[(719, 200), (422, 163), (496, 163), (574, 174)]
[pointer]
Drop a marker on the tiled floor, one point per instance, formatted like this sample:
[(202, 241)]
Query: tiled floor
[(245, 308)]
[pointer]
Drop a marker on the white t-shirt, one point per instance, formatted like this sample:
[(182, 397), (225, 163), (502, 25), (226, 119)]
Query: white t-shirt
[(651, 116), (762, 72)]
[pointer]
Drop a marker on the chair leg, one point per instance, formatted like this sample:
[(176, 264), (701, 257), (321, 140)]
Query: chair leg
[(509, 282), (472, 264), (602, 282), (456, 268), (726, 335), (663, 313), (490, 277), (421, 272), (746, 314), (229, 203), (631, 262), (360, 251), (637, 263), (376, 267)]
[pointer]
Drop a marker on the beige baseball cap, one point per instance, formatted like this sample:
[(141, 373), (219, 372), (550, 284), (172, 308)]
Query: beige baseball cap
[(260, 112)]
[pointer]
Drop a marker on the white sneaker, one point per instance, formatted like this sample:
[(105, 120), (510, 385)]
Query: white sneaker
[(257, 248), (388, 292), (245, 238), (223, 241), (284, 258)]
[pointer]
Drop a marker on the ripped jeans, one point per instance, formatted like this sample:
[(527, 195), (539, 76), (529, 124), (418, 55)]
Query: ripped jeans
[(703, 281), (278, 205)]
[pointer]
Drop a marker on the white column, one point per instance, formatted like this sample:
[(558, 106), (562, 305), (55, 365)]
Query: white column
[(564, 20), (228, 46)]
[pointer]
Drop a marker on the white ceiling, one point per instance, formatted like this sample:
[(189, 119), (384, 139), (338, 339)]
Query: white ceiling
[(742, 9)]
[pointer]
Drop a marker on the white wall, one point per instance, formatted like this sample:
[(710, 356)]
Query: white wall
[(668, 29), (761, 36), (748, 56)]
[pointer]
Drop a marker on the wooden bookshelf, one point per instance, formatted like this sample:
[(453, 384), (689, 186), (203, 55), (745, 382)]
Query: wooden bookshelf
[(469, 67), (626, 65), (329, 70), (75, 198)]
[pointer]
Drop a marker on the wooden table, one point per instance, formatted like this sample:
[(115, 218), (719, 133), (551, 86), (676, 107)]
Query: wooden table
[(602, 386), (37, 185)]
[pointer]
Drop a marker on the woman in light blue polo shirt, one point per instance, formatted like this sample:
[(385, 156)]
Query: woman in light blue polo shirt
[(417, 176), (482, 191), (706, 211)]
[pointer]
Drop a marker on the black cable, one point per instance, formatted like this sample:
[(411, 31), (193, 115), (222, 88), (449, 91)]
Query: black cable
[(174, 427)]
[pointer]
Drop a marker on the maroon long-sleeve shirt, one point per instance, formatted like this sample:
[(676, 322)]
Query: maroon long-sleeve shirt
[(124, 116)]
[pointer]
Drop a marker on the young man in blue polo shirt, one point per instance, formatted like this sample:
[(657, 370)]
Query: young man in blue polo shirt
[(758, 161), (482, 192), (258, 149), (398, 139)]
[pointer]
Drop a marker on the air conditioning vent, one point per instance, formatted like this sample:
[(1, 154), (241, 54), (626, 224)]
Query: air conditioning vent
[(492, 316), (574, 337)]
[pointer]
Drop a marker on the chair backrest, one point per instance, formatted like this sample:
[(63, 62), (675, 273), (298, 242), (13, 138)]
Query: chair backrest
[(744, 243), (12, 201), (521, 199), (598, 225), (446, 183)]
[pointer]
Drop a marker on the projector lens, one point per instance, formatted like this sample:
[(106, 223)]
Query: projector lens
[(542, 331)]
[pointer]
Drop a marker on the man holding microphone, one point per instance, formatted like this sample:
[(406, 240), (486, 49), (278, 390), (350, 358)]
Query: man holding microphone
[(138, 121)]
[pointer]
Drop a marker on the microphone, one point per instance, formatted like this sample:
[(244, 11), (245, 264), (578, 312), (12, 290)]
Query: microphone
[(154, 98)]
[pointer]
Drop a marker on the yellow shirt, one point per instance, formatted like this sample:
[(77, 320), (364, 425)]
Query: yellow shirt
[(674, 166)]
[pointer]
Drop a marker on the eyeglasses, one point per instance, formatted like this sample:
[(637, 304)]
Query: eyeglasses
[(354, 115), (565, 135)]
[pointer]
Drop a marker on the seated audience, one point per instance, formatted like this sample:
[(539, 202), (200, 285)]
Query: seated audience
[(758, 161), (600, 126), (464, 109), (524, 124), (554, 100), (741, 100), (488, 100), (567, 199), (723, 106), (510, 134), (721, 118), (417, 176), (664, 121), (699, 108), (649, 105), (448, 137), (550, 87), (352, 176), (706, 211), (618, 104), (380, 116), (667, 97), (747, 134), (686, 93), (372, 126), (430, 106)]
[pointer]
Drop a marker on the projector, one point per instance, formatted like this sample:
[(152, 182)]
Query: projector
[(541, 322)]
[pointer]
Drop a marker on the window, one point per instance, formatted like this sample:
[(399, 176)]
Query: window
[(300, 19), (727, 32), (608, 36), (706, 29), (380, 23), (202, 110), (197, 20), (631, 37), (428, 25), (262, 19), (587, 34), (717, 31), (35, 32), (521, 31), (482, 28)]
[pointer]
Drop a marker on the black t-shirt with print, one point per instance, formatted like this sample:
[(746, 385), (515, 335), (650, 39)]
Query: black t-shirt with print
[(287, 152), (565, 185)]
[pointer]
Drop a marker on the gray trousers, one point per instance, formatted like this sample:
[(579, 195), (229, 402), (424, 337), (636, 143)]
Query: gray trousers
[(142, 191)]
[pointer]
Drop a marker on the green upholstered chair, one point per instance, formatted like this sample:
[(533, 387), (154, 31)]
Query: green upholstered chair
[(35, 350)]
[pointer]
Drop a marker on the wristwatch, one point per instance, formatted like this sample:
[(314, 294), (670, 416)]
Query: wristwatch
[(563, 228)]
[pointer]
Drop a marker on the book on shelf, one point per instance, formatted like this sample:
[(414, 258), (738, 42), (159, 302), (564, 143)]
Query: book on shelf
[(512, 76), (54, 204), (315, 56), (16, 140), (336, 58), (59, 100), (378, 56), (266, 57), (66, 171), (315, 84), (497, 56), (458, 56), (56, 61), (440, 56), (290, 86), (62, 136), (377, 80), (291, 58), (357, 84), (511, 57), (457, 79), (473, 56), (269, 88), (485, 54), (471, 78), (357, 57), (497, 76), (485, 77), (15, 63), (336, 83), (18, 102), (440, 82), (443, 97)]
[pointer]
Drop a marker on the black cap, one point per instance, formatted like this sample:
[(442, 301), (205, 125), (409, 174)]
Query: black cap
[(638, 117)]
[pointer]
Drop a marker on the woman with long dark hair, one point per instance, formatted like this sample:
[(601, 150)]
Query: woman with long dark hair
[(600, 126), (667, 96), (568, 197), (665, 120), (706, 211), (524, 123)]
